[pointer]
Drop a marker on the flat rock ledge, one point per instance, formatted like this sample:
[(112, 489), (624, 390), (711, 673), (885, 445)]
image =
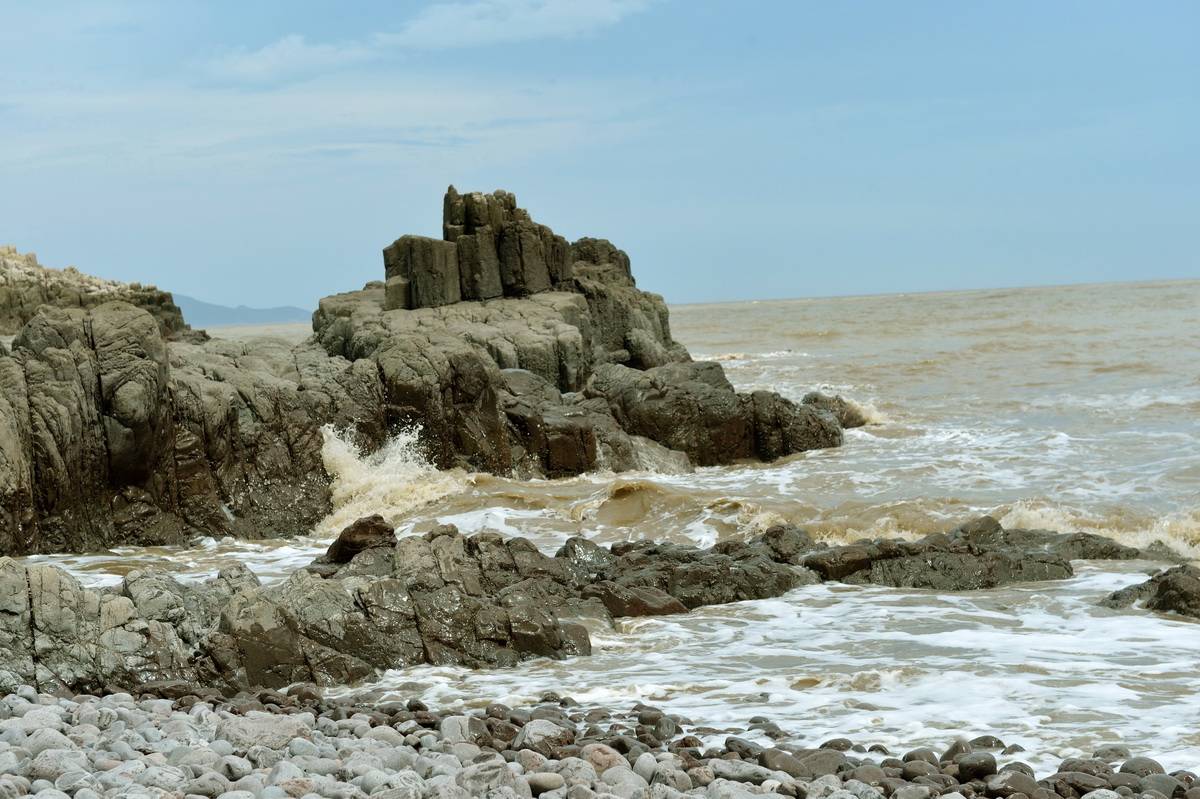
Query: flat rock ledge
[(374, 603), (171, 741)]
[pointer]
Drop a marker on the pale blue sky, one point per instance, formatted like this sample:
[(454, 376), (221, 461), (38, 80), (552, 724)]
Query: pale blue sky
[(264, 153)]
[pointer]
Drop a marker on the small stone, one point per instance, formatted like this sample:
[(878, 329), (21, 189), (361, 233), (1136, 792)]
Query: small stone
[(543, 737), (541, 782), (975, 765), (1142, 766), (912, 792)]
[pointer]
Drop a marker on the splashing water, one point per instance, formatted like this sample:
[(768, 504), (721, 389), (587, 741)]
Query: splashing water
[(393, 481)]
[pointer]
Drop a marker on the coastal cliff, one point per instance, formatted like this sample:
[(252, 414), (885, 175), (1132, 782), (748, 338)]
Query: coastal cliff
[(511, 350)]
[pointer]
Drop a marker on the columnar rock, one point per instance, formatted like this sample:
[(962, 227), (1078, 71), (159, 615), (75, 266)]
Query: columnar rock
[(429, 266), (26, 285), (479, 265)]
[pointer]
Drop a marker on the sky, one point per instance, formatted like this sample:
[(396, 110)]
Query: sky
[(264, 153)]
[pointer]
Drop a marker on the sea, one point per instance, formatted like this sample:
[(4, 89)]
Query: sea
[(1073, 408)]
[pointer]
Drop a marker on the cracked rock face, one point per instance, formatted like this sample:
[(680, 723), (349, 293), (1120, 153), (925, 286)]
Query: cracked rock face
[(512, 350)]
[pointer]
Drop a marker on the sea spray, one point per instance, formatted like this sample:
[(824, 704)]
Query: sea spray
[(392, 481)]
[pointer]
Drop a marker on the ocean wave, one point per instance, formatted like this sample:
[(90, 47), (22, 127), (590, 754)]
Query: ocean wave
[(1178, 531), (752, 356), (869, 411)]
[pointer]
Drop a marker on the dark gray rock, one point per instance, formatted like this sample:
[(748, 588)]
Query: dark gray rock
[(978, 555), (363, 534), (692, 408), (1175, 590), (622, 600), (431, 268)]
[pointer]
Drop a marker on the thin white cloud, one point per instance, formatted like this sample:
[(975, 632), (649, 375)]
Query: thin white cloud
[(417, 119), (291, 55), (443, 25), (483, 22)]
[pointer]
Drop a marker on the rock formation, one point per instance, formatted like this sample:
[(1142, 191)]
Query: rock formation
[(26, 285), (374, 603), (510, 349)]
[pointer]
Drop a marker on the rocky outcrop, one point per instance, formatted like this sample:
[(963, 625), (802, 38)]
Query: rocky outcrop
[(26, 286), (541, 358), (979, 554), (847, 413), (374, 603), (1175, 590), (111, 436), (442, 598)]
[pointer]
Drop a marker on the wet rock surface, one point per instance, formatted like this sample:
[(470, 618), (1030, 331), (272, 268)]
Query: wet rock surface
[(370, 603), (511, 350), (178, 739), (1175, 590), (979, 554)]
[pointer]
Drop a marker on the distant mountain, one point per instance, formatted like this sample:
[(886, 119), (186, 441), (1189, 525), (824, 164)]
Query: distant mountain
[(198, 313)]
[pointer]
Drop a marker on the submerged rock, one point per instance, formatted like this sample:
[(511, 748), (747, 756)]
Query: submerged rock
[(847, 413), (1175, 590), (978, 554)]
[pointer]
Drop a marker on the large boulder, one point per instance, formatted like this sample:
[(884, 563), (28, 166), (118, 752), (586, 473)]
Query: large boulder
[(692, 407), (430, 267), (365, 533)]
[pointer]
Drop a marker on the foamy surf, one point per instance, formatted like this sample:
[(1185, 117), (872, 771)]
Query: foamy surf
[(393, 481), (896, 667), (1179, 532)]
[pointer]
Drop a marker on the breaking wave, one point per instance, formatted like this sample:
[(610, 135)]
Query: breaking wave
[(1179, 531), (393, 481)]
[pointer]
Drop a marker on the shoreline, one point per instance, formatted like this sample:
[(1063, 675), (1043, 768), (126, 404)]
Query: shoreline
[(175, 740)]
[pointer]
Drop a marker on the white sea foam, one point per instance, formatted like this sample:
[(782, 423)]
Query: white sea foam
[(1034, 664), (869, 411), (392, 481)]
